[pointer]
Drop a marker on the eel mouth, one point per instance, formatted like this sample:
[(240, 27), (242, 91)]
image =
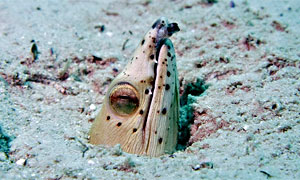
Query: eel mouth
[(163, 32), (172, 28)]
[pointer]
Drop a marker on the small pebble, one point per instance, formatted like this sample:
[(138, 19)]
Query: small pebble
[(246, 127), (110, 34), (21, 162), (208, 165), (116, 150), (92, 107), (2, 156), (91, 162)]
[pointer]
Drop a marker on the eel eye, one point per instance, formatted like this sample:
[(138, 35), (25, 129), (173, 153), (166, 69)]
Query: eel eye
[(124, 99)]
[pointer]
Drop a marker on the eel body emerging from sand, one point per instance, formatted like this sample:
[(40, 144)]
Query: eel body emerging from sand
[(141, 108)]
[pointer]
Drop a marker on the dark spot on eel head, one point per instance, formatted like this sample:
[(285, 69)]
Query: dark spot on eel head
[(143, 41), (152, 56), (119, 124), (153, 40), (155, 24), (134, 130), (108, 118), (169, 54), (147, 91), (141, 112)]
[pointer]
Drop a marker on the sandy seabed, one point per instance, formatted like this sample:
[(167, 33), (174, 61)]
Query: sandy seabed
[(246, 125)]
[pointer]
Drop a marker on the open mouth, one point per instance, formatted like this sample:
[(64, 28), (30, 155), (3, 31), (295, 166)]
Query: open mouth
[(163, 33), (172, 28)]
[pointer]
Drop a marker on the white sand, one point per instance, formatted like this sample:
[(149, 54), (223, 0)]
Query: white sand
[(256, 92)]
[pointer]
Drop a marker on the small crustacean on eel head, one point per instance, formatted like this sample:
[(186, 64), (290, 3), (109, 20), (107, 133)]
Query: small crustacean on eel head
[(141, 108)]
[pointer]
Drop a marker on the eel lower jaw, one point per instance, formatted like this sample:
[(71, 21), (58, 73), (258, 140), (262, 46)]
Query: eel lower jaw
[(159, 44)]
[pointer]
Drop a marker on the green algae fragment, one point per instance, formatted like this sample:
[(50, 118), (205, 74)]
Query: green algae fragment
[(4, 142)]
